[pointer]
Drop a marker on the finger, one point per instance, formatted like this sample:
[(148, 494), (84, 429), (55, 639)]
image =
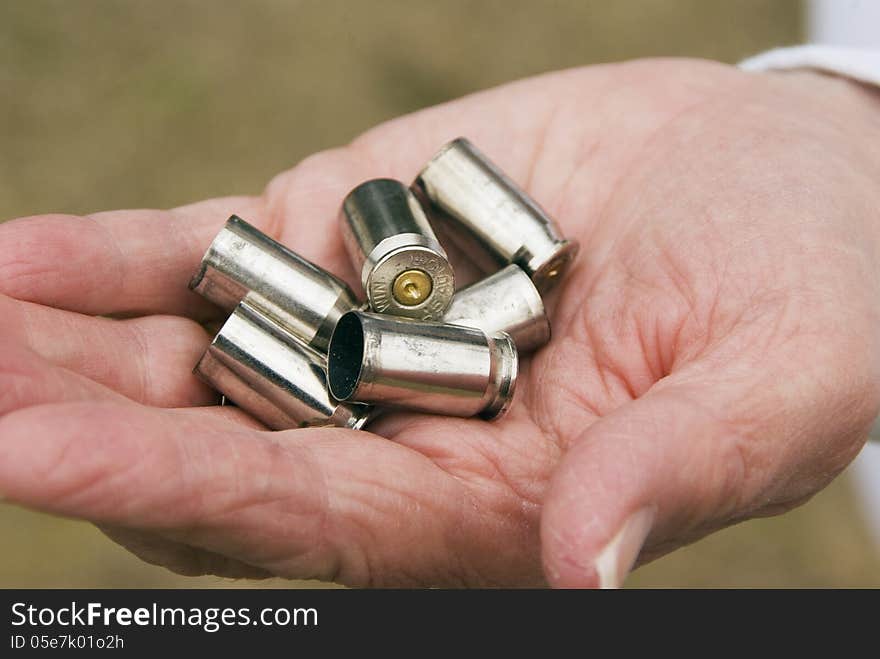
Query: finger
[(311, 503), (717, 442), (26, 379), (228, 414), (149, 359), (180, 558), (121, 262)]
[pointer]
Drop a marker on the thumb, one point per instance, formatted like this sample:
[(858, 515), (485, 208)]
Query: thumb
[(697, 452)]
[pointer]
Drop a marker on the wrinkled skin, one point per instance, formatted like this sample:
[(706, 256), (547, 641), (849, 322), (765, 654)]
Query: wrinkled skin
[(715, 353)]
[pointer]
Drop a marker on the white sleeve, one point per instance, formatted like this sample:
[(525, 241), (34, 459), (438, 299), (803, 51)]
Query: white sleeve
[(858, 64)]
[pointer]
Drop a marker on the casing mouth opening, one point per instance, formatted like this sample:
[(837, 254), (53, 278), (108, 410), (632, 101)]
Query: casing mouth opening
[(345, 357)]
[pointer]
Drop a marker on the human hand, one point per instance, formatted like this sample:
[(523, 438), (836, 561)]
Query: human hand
[(715, 352)]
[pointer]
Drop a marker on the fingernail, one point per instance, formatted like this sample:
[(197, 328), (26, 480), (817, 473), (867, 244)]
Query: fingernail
[(616, 559)]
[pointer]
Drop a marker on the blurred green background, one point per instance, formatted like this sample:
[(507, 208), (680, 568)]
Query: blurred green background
[(110, 104)]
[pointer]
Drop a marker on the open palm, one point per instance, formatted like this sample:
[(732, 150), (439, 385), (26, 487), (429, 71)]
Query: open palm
[(714, 352)]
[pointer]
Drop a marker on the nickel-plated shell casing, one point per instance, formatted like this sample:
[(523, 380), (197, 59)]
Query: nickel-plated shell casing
[(403, 268), (506, 301), (272, 375), (300, 296), (426, 366), (478, 201)]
